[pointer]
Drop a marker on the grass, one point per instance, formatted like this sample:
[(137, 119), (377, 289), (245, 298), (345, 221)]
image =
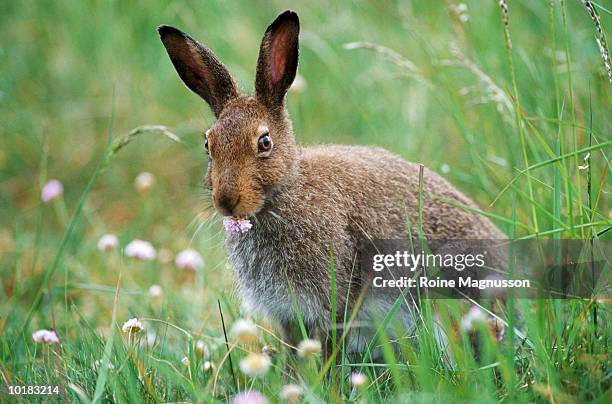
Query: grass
[(517, 116)]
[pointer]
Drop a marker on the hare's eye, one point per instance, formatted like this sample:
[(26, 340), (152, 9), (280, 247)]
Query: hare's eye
[(264, 143)]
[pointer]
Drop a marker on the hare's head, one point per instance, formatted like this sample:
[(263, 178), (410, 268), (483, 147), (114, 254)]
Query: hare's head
[(251, 146)]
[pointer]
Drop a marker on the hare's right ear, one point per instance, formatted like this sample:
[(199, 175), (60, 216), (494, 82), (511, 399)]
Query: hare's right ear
[(199, 68), (278, 59)]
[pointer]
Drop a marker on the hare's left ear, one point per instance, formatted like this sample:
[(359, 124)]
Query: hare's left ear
[(199, 68), (278, 59)]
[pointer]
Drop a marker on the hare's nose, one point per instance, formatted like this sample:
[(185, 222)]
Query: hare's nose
[(227, 203)]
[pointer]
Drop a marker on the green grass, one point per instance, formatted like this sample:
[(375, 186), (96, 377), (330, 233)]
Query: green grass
[(523, 130)]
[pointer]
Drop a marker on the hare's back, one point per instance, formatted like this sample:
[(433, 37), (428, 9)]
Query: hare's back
[(380, 190)]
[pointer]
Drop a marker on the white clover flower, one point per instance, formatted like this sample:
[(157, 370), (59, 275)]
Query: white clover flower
[(243, 330), (291, 393), (139, 249), (156, 292), (309, 347), (358, 380), (108, 242), (185, 361), (189, 259), (132, 326), (249, 397), (144, 182), (52, 190), (255, 364), (201, 349), (45, 337)]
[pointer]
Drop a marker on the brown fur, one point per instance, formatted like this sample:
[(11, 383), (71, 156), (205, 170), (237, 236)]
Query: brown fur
[(307, 204)]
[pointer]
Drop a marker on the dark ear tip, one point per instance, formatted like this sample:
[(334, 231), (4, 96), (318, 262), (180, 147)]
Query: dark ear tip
[(284, 17), (165, 30)]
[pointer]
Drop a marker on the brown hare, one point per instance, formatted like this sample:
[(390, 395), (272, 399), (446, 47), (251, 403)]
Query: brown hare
[(308, 205)]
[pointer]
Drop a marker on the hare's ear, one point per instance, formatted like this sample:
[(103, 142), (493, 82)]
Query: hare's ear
[(278, 59), (199, 68)]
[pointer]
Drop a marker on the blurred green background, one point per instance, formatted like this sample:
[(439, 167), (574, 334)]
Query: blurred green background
[(440, 93)]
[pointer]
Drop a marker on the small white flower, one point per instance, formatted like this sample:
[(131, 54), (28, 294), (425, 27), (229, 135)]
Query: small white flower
[(185, 361), (189, 259), (156, 292), (144, 182), (244, 331), (201, 349), (445, 168), (45, 337), (132, 326), (291, 393), (52, 190), (309, 347), (255, 365), (207, 366), (108, 242), (359, 380), (139, 249)]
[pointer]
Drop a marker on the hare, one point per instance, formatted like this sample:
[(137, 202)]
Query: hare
[(310, 206)]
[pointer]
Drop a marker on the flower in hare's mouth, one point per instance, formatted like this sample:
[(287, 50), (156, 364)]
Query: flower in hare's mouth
[(236, 225)]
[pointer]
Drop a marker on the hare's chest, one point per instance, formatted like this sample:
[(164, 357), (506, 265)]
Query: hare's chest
[(265, 275)]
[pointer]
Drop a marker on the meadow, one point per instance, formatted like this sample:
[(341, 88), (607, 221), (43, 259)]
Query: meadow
[(510, 103)]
